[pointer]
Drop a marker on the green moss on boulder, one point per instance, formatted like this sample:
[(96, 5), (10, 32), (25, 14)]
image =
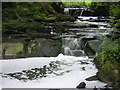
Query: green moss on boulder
[(109, 72), (108, 62)]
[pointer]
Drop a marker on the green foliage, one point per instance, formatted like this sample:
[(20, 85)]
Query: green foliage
[(79, 4), (111, 55), (98, 4), (115, 13), (108, 61), (27, 11), (115, 10), (110, 52), (109, 44), (99, 61)]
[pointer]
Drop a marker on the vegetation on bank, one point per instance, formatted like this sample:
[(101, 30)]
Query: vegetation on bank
[(108, 61), (37, 11), (18, 17), (27, 11), (33, 11)]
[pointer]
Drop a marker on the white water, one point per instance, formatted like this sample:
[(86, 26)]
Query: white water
[(71, 69), (72, 47), (86, 17), (79, 22), (67, 80)]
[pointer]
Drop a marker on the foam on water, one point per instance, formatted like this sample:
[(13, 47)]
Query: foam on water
[(72, 69)]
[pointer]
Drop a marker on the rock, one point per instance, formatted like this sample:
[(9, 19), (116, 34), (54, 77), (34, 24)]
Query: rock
[(27, 47), (83, 62), (85, 40), (92, 78), (89, 51), (44, 47), (81, 85), (78, 53), (95, 88), (108, 71), (95, 45)]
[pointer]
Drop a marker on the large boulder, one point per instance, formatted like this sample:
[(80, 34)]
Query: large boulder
[(89, 51), (85, 39), (108, 64), (95, 45), (90, 45), (44, 47)]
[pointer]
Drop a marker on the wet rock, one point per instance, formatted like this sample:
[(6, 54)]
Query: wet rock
[(92, 78), (44, 47), (83, 68), (85, 40), (95, 88), (108, 71), (83, 62), (95, 45), (78, 53), (81, 85), (112, 86), (89, 51)]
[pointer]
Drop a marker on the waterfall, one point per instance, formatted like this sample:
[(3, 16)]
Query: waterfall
[(74, 11), (81, 12), (71, 46)]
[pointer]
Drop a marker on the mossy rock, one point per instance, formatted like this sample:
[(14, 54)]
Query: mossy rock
[(12, 48), (109, 72), (108, 63), (44, 47)]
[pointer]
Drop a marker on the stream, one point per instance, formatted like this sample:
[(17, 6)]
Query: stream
[(80, 44)]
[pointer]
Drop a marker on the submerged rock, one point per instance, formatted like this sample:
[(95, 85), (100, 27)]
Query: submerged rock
[(92, 78), (78, 53), (81, 85)]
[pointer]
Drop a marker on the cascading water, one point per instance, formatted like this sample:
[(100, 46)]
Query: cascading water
[(60, 71), (82, 41), (71, 46), (81, 12)]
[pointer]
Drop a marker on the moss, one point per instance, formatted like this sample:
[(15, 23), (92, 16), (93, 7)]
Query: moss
[(13, 48), (99, 61), (50, 18), (109, 72), (108, 61)]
